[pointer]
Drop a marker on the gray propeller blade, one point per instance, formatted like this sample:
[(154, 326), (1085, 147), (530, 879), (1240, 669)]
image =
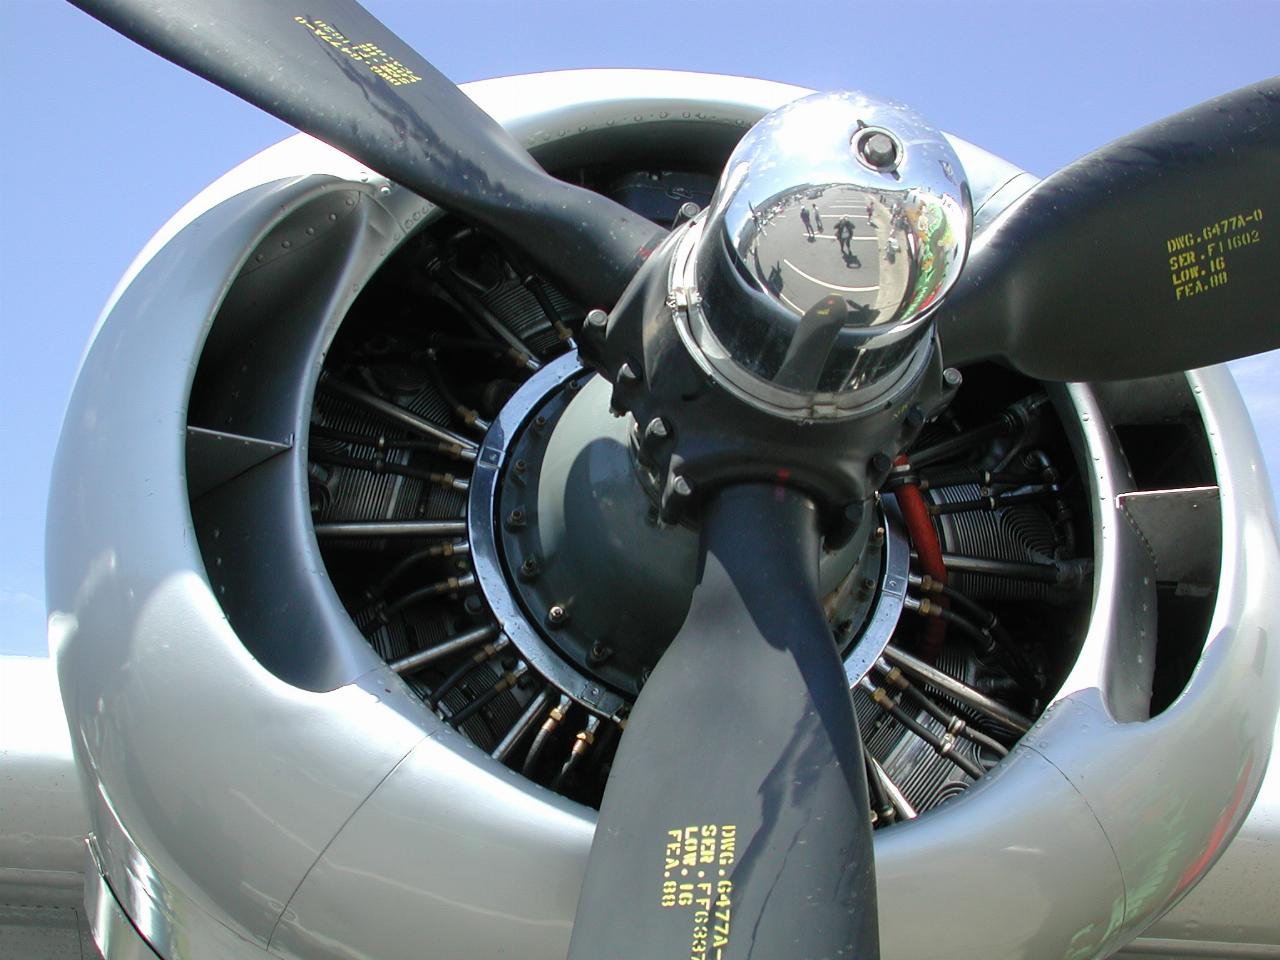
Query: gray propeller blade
[(736, 821), (331, 69), (1155, 253)]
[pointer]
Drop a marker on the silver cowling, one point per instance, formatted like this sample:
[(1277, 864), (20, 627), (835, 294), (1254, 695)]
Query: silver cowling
[(838, 225)]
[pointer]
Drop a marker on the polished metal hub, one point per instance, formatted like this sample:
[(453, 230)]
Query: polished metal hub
[(838, 225)]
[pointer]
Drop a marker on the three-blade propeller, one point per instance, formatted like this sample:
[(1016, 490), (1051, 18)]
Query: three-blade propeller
[(736, 816)]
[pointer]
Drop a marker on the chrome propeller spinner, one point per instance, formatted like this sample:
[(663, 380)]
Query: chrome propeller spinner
[(838, 224)]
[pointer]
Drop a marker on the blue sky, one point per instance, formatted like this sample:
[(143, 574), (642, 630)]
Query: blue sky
[(103, 141)]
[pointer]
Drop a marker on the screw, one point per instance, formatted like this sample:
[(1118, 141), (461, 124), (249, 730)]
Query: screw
[(520, 466), (515, 519), (529, 568), (915, 415), (557, 615), (881, 464), (688, 210), (598, 319), (680, 486), (879, 150), (473, 604), (657, 429), (539, 421), (951, 377), (599, 653)]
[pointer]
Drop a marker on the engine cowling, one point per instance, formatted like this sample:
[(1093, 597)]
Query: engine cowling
[(267, 773)]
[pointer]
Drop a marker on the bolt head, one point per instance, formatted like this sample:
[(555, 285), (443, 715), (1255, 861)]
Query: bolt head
[(657, 429), (879, 150)]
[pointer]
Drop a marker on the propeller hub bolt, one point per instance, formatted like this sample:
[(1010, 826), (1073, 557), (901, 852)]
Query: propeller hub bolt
[(878, 149)]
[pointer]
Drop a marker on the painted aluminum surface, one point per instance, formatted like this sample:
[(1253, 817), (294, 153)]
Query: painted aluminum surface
[(42, 820), (347, 822)]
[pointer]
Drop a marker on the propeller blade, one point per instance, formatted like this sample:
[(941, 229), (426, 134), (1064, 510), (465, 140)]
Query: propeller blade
[(736, 816), (1155, 253), (329, 68)]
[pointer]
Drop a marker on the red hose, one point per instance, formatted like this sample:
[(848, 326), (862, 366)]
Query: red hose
[(925, 539)]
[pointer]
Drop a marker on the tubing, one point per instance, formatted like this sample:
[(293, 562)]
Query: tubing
[(462, 641), (953, 445), (899, 800), (920, 529), (479, 657), (402, 566), (466, 448), (952, 722), (392, 528), (882, 699), (959, 691), (507, 681), (558, 713), (523, 725), (451, 585), (381, 465)]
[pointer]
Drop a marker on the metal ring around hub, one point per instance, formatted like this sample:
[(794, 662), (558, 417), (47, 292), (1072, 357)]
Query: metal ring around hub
[(870, 633)]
